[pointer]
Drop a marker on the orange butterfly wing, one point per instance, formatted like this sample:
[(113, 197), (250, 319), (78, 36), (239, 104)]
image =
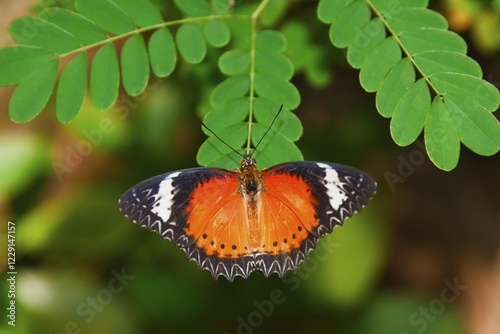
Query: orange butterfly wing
[(208, 214)]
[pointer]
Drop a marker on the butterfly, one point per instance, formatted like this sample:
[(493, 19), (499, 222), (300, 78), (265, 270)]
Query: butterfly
[(235, 222)]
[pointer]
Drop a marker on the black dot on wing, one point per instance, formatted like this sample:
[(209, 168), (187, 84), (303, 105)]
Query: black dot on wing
[(299, 228), (212, 243), (275, 243), (222, 246), (233, 247), (293, 236), (284, 241), (204, 235)]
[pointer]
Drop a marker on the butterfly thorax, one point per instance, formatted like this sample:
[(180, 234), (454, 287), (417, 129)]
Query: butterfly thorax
[(251, 188), (250, 176)]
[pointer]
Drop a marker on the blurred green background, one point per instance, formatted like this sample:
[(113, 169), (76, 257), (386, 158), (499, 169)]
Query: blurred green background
[(421, 258)]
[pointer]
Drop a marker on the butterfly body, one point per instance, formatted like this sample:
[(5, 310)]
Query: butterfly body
[(233, 223)]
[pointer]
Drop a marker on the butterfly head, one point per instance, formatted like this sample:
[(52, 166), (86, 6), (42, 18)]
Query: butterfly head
[(247, 161)]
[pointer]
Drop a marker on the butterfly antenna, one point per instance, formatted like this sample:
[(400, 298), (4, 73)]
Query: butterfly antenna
[(206, 127), (269, 128)]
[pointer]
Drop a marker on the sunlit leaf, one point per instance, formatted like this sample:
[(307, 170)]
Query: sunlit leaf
[(329, 10), (227, 114), (104, 77), (190, 42), (17, 62), (217, 33), (85, 31), (424, 39), (193, 8), (395, 84), (348, 23), (135, 65), (277, 90), (106, 14), (31, 95), (142, 12), (37, 32), (363, 43), (235, 62), (286, 123), (374, 70), (270, 40), (410, 114), (230, 89), (71, 89), (273, 63), (162, 52), (274, 147), (441, 137), (215, 153)]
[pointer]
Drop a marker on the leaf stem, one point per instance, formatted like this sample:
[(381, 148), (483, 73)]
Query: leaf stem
[(154, 27), (254, 18), (405, 51)]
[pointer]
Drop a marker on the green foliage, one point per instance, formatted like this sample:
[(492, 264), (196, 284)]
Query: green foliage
[(460, 110), (420, 71)]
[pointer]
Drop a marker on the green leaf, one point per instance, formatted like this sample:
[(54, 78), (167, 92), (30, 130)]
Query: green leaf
[(193, 8), (413, 18), (104, 77), (31, 96), (273, 12), (227, 114), (473, 91), (298, 47), (71, 89), (273, 63), (135, 65), (441, 137), (106, 14), (162, 52), (85, 31), (277, 90), (142, 12), (395, 84), (215, 153), (391, 7), (190, 42), (37, 32), (410, 114), (424, 39), (435, 61), (17, 62), (348, 23), (229, 89), (217, 33), (374, 70), (305, 55), (329, 10), (287, 123), (235, 62), (363, 43), (274, 148), (270, 40), (478, 128)]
